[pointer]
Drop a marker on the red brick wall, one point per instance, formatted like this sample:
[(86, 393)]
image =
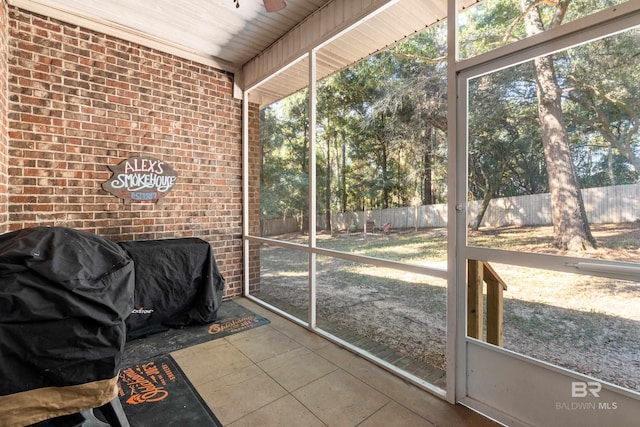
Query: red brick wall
[(81, 101), (4, 155), (255, 165)]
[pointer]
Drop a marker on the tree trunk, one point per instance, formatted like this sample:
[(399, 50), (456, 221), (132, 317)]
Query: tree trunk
[(343, 179), (427, 195), (386, 191), (305, 169), (483, 209), (570, 226), (327, 190), (610, 172), (493, 183)]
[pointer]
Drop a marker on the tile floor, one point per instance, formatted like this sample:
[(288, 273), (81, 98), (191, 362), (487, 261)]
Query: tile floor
[(280, 374)]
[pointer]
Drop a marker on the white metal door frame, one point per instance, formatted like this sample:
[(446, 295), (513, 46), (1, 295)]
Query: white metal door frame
[(510, 387)]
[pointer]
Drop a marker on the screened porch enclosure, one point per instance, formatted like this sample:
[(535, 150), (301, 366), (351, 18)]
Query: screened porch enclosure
[(380, 185), (396, 316)]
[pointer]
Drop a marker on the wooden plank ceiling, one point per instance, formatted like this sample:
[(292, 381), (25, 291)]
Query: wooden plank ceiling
[(392, 24)]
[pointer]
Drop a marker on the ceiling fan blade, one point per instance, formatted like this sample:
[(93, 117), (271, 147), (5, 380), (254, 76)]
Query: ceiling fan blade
[(274, 5)]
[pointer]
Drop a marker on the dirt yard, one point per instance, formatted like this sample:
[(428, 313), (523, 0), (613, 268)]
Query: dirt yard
[(584, 323)]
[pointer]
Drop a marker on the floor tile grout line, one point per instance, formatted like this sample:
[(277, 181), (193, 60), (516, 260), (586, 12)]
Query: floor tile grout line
[(346, 370), (375, 412), (340, 358), (291, 393), (288, 392)]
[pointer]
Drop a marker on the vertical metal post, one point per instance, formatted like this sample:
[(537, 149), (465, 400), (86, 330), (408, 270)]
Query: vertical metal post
[(245, 192), (312, 188), (455, 290)]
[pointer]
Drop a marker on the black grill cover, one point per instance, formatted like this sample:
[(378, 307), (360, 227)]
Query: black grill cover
[(64, 298), (177, 284)]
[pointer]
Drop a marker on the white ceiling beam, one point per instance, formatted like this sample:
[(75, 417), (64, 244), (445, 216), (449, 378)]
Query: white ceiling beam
[(321, 27)]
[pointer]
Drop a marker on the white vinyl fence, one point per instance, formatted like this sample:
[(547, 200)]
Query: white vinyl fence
[(604, 205)]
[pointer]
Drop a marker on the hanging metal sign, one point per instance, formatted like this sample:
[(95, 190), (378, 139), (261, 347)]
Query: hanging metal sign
[(141, 179)]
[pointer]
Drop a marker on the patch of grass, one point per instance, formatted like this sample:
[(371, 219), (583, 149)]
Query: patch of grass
[(585, 323), (402, 247)]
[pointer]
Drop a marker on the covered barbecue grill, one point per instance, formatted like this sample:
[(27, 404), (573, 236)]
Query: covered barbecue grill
[(64, 299)]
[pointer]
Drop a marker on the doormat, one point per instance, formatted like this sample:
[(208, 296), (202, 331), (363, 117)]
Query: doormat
[(232, 318), (157, 392)]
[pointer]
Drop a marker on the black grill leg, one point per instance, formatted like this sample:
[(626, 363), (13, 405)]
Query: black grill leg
[(114, 414)]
